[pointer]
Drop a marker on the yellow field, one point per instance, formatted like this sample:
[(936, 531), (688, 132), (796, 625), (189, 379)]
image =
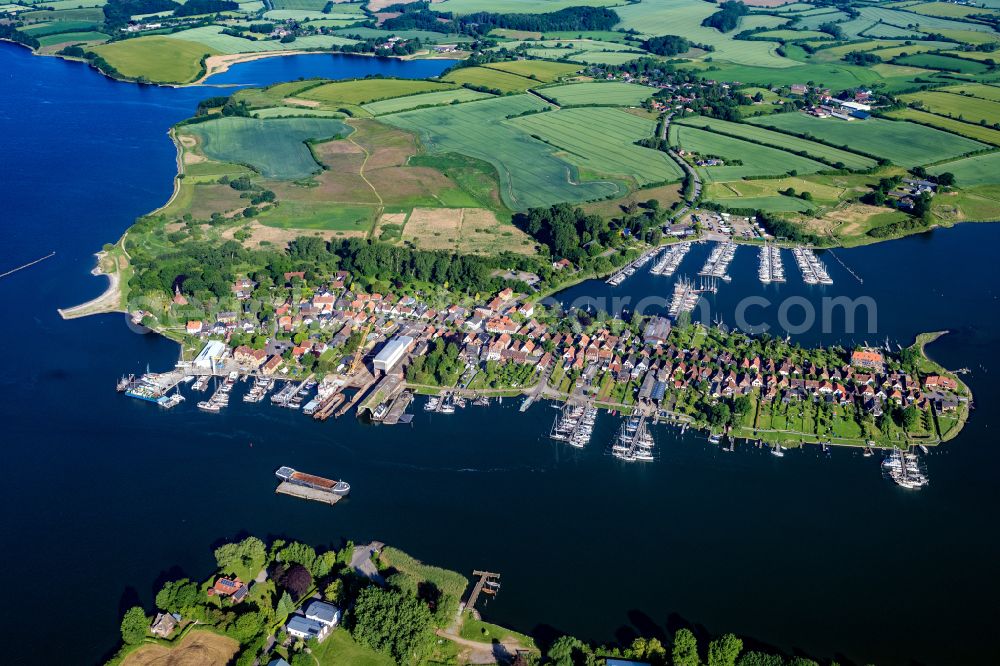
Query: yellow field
[(199, 648), (462, 230)]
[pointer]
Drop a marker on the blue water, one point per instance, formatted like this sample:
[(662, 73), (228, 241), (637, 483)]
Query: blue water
[(104, 497), (326, 65)]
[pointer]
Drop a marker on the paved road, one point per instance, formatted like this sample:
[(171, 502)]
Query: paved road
[(361, 562)]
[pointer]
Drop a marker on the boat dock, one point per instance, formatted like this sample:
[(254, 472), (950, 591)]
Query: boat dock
[(630, 270), (302, 492), (488, 583), (685, 298), (718, 261), (378, 400), (634, 442), (771, 269), (667, 264), (397, 411), (574, 425), (813, 270)]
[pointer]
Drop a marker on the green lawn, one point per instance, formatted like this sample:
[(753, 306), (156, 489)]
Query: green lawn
[(275, 147), (339, 649), (159, 59), (905, 144), (484, 632), (602, 140), (611, 93)]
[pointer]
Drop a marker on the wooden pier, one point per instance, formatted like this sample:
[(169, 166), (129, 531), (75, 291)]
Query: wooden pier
[(286, 488), (487, 580)]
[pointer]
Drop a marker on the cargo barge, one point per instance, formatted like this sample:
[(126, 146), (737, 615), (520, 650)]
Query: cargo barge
[(309, 486)]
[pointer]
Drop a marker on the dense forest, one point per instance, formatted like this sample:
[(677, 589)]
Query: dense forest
[(419, 16), (567, 231), (667, 45)]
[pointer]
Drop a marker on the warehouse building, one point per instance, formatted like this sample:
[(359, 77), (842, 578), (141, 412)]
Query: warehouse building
[(392, 353)]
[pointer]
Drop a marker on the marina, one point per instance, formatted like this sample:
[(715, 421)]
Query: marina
[(685, 297), (627, 272), (905, 469), (633, 442), (666, 265), (812, 268), (574, 425), (718, 261), (771, 268)]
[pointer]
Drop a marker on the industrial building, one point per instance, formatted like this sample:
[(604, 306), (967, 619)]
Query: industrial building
[(392, 353)]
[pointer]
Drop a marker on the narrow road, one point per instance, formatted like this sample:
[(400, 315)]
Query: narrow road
[(684, 165), (361, 561)]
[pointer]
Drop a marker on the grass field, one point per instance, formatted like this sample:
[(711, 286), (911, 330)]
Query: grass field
[(314, 5), (530, 175), (972, 171), (211, 36), (943, 62), (976, 132), (947, 10), (606, 57), (518, 6), (903, 143), (490, 78), (831, 75), (288, 111), (275, 148), (757, 160), (612, 93), (783, 141), (43, 29), (160, 59), (772, 204), (72, 37), (962, 107), (542, 70), (684, 18), (912, 49), (363, 91), (198, 648), (602, 140), (969, 36), (981, 91), (793, 35), (339, 649), (95, 14), (426, 99)]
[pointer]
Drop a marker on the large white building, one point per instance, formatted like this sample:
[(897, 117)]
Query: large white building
[(392, 353), (213, 352)]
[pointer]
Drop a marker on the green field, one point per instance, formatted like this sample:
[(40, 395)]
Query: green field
[(94, 14), (972, 171), (943, 62), (518, 6), (903, 143), (783, 141), (542, 70), (160, 59), (363, 91), (757, 160), (313, 5), (333, 216), (530, 174), (606, 57), (602, 140), (976, 132), (684, 17), (946, 9), (981, 91), (289, 111), (772, 204), (489, 78), (611, 93), (275, 148), (67, 37), (832, 75), (211, 35), (426, 99), (962, 107), (44, 29), (793, 35)]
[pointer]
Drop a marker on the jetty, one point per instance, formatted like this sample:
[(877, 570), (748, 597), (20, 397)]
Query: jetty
[(634, 442), (618, 277), (813, 270), (574, 425), (672, 257), (28, 265), (771, 269), (488, 583), (718, 261), (397, 411)]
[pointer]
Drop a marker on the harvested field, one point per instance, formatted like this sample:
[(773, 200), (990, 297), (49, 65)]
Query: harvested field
[(434, 228), (198, 648), (464, 230)]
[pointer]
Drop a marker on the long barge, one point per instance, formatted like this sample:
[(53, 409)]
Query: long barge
[(310, 486)]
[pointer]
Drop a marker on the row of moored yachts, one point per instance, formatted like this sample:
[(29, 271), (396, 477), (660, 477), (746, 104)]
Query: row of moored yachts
[(813, 270), (906, 469), (574, 425)]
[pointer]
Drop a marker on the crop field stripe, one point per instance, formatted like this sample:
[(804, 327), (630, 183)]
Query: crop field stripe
[(905, 144), (544, 70), (782, 141), (408, 102), (490, 78), (363, 91), (613, 93), (972, 171), (971, 109), (530, 175), (972, 131), (757, 160), (603, 139)]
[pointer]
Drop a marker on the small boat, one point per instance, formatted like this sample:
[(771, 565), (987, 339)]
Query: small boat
[(776, 451)]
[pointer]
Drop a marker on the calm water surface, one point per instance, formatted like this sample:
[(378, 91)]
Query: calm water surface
[(104, 497)]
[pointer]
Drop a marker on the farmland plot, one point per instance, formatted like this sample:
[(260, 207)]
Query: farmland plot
[(757, 160), (612, 93), (602, 140)]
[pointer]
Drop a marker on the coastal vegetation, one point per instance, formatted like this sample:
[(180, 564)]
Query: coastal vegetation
[(396, 611)]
